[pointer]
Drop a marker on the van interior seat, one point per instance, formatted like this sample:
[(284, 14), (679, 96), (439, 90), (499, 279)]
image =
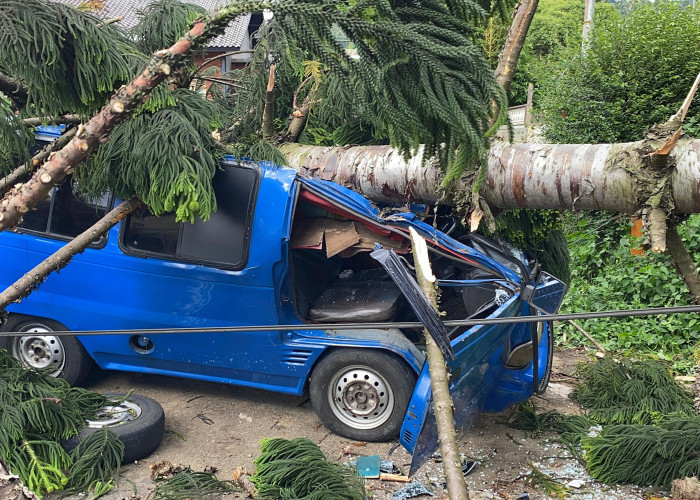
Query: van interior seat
[(352, 300)]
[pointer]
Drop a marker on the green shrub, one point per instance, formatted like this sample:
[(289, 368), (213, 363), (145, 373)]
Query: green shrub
[(605, 276), (637, 71)]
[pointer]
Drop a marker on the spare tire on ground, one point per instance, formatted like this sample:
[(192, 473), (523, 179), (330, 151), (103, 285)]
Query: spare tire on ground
[(138, 422)]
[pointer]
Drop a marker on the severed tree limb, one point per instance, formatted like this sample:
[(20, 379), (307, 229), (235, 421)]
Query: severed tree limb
[(298, 121), (587, 335), (59, 259), (17, 174), (40, 120), (241, 476), (268, 118), (218, 56), (442, 401), (20, 199), (683, 261), (660, 170)]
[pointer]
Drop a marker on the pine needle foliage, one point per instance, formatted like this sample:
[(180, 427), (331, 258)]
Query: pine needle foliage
[(646, 454), (651, 446), (630, 392), (418, 73), (15, 139), (298, 470), (95, 462), (191, 485), (166, 158), (68, 59), (163, 22), (36, 412)]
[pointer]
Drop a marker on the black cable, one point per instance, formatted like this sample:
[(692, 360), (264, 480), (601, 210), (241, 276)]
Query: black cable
[(374, 326)]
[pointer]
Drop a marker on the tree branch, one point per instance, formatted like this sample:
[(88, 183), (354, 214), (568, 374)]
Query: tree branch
[(442, 401), (219, 56), (40, 120), (20, 199), (268, 119), (17, 174), (510, 53), (59, 259)]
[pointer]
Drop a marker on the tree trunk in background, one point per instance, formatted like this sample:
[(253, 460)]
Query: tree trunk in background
[(562, 177), (508, 58)]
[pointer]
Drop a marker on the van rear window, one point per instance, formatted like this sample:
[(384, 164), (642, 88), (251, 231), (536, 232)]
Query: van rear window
[(222, 241), (65, 214)]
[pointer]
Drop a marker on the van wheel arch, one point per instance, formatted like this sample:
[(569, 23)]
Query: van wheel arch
[(41, 350)]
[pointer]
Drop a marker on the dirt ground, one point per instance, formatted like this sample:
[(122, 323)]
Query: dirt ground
[(216, 425)]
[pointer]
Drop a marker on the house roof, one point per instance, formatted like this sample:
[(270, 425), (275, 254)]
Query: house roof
[(233, 37)]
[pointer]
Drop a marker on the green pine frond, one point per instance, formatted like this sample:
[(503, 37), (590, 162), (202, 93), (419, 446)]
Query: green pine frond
[(192, 485), (167, 158), (15, 139), (645, 454), (298, 470), (630, 392), (36, 411), (75, 59), (39, 465), (163, 22), (96, 462)]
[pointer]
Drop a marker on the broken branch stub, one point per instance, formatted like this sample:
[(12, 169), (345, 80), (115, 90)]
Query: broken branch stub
[(442, 401)]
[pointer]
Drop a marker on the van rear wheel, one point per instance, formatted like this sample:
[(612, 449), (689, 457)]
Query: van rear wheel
[(362, 394), (61, 356)]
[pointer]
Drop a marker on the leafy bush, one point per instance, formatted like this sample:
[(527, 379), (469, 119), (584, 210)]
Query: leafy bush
[(636, 73), (605, 276)]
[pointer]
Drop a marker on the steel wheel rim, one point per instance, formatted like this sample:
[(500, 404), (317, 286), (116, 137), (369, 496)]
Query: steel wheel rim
[(360, 397), (40, 352), (111, 415)]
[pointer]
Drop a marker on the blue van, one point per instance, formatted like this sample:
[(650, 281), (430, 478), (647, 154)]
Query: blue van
[(282, 250)]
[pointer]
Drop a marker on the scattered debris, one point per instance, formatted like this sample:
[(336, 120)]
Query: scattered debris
[(368, 467), (575, 483), (389, 467), (242, 478), (203, 418), (165, 470), (415, 489), (538, 479), (394, 477), (685, 489)]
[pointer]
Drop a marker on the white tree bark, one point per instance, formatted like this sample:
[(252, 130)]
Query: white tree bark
[(563, 176)]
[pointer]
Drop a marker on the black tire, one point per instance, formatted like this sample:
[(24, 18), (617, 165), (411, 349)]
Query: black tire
[(544, 383), (141, 435), (40, 350), (370, 391)]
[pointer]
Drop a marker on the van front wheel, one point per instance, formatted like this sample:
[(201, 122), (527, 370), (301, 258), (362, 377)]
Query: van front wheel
[(61, 356), (362, 394)]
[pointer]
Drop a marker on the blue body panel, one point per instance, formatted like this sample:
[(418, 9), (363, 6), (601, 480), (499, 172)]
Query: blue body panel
[(108, 289)]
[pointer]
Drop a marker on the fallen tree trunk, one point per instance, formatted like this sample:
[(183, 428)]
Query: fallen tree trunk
[(562, 176)]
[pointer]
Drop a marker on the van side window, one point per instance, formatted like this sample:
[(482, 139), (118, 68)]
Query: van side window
[(221, 241), (65, 214)]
